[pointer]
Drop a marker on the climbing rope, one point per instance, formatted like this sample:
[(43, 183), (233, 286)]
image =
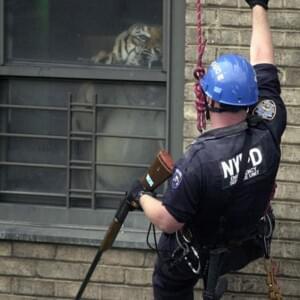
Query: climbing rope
[(274, 291), (199, 71)]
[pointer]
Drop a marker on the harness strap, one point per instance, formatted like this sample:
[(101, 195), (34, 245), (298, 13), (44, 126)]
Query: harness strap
[(203, 261), (214, 269), (216, 255)]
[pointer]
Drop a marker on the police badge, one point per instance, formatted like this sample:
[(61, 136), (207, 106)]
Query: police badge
[(177, 177), (266, 109)]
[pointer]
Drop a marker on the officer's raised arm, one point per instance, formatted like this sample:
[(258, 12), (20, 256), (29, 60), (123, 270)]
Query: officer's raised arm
[(270, 105), (261, 50)]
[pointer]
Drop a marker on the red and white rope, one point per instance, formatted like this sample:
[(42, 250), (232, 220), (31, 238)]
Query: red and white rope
[(199, 71)]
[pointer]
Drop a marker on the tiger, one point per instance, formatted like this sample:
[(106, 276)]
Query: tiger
[(108, 122), (152, 51), (139, 45)]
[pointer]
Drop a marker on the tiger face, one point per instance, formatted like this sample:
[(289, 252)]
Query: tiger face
[(152, 52), (139, 45), (139, 34)]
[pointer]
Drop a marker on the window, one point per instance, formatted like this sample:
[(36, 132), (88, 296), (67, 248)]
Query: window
[(85, 104), (113, 32)]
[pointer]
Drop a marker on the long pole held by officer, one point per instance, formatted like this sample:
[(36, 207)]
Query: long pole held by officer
[(215, 215)]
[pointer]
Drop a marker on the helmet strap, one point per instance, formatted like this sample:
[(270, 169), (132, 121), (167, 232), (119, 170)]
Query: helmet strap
[(207, 114), (223, 108), (217, 109), (211, 108)]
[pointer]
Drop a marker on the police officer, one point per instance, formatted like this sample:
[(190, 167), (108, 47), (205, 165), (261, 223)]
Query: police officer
[(221, 187)]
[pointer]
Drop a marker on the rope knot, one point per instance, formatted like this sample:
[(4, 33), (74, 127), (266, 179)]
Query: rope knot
[(199, 72)]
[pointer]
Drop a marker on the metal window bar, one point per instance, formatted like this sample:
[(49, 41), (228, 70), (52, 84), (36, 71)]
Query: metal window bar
[(1, 32), (94, 145), (68, 174), (23, 193), (37, 165), (58, 71), (166, 35), (33, 107), (72, 164), (76, 193), (167, 25)]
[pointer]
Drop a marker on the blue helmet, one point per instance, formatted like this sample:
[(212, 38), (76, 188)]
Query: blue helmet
[(231, 80)]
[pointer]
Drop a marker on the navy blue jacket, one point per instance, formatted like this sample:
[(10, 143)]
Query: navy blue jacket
[(203, 188)]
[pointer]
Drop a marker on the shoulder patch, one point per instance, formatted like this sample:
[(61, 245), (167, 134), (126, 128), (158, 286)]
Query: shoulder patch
[(266, 109), (177, 178)]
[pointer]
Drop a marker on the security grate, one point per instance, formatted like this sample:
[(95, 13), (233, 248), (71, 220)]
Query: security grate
[(79, 152)]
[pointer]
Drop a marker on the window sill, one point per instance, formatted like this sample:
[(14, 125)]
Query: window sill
[(127, 238), (132, 235)]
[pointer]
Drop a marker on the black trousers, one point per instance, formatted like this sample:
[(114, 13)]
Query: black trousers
[(176, 282)]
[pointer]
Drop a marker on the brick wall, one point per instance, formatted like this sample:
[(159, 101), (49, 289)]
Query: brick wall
[(34, 271), (227, 29)]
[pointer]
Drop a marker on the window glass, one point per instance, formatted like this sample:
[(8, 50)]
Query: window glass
[(37, 121), (126, 146), (116, 178), (114, 32), (36, 93), (125, 121), (34, 150), (77, 140), (33, 179)]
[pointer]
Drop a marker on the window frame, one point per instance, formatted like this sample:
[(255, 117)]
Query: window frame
[(76, 71), (1, 32), (77, 225)]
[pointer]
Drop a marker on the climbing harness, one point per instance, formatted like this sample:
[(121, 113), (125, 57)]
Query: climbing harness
[(267, 234), (212, 289), (199, 72), (186, 251), (208, 266)]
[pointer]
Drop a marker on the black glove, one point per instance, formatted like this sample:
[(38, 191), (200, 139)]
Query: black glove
[(263, 3), (134, 193)]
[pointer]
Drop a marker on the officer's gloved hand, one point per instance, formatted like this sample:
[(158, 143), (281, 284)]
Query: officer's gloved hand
[(263, 3), (134, 194)]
